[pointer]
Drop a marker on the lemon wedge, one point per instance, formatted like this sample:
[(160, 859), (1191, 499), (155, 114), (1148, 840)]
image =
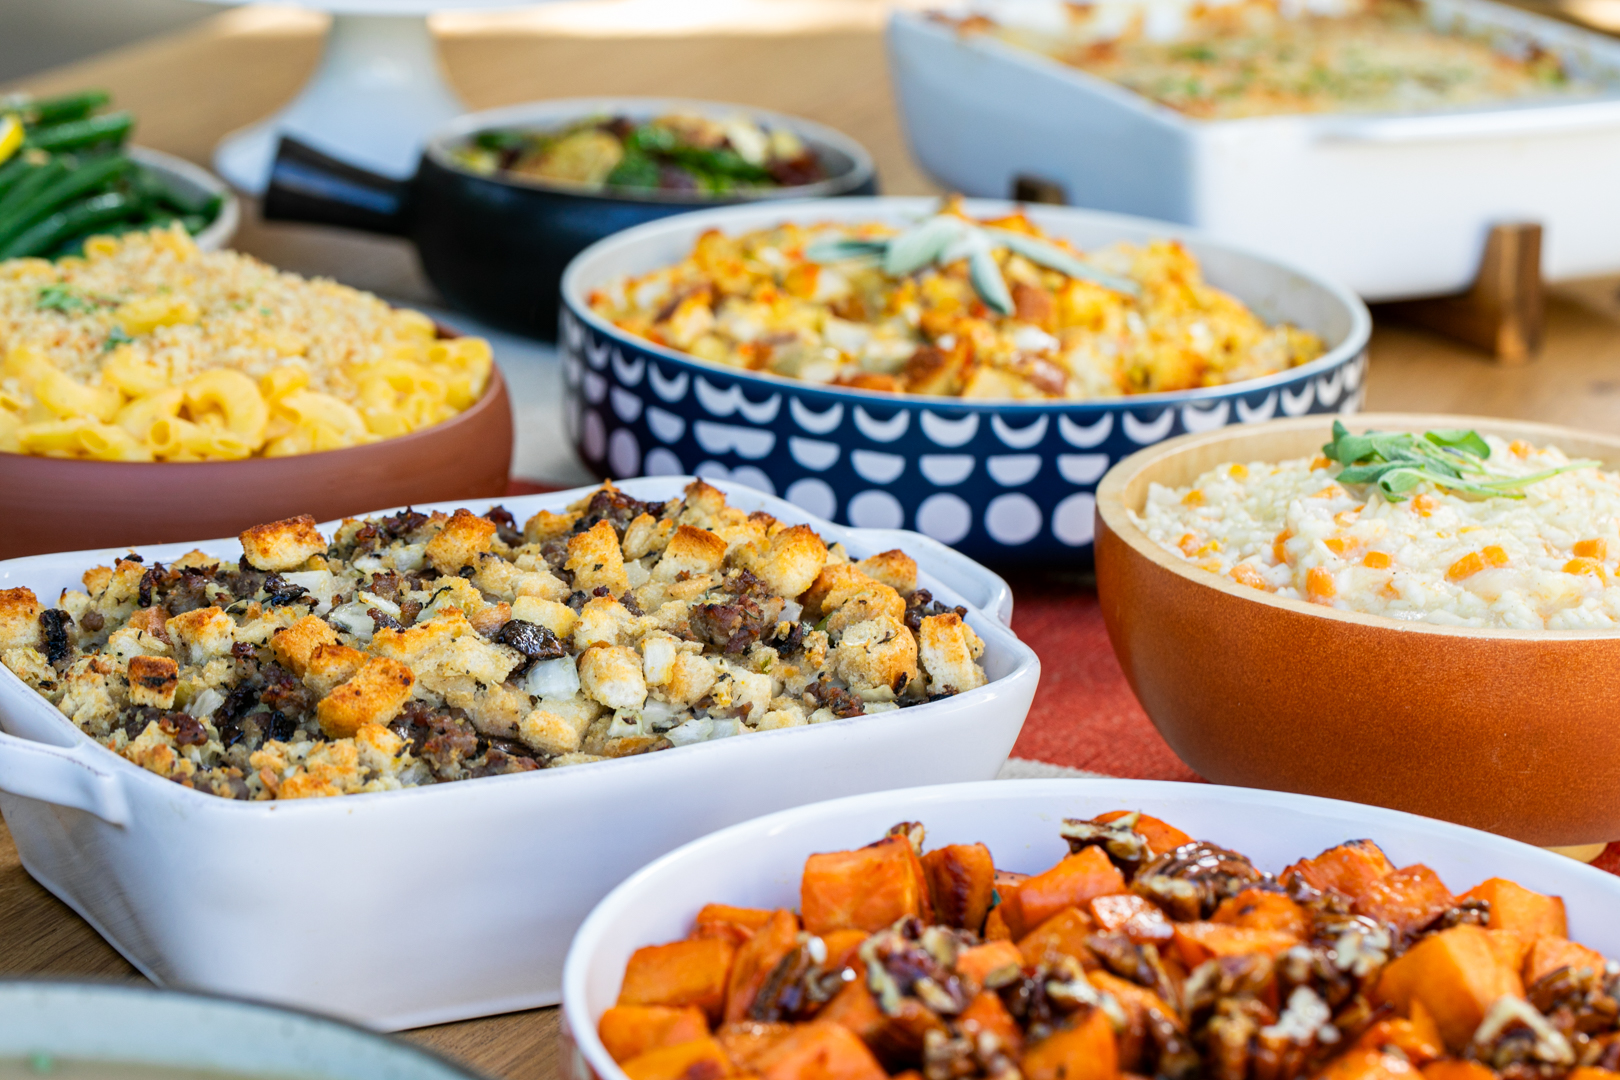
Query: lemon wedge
[(11, 135)]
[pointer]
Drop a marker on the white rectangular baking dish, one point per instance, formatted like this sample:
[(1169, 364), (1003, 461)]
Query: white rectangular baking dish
[(417, 907), (1391, 205), (758, 863)]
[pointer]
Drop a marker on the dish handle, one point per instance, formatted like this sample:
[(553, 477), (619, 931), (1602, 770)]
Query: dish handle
[(979, 585), (307, 185), (65, 776)]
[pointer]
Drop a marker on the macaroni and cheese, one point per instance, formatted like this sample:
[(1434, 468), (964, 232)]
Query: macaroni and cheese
[(148, 349)]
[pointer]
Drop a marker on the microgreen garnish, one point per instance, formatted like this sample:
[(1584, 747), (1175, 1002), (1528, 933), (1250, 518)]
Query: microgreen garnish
[(945, 238), (1451, 458), (59, 297), (116, 337)]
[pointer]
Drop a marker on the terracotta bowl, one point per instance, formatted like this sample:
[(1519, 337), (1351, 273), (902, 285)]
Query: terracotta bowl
[(57, 504), (1515, 732)]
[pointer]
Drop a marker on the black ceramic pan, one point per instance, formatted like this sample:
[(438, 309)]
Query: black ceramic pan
[(495, 246)]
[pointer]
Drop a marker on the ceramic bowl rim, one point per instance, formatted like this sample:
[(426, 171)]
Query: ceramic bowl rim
[(560, 110), (1111, 510), (854, 208), (117, 987), (219, 231), (495, 391)]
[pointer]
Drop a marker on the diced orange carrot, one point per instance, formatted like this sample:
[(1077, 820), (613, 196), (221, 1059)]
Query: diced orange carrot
[(1073, 882), (1457, 1069), (842, 946), (1319, 584), (1360, 1064), (1494, 555), (699, 1059), (691, 972), (1086, 1051), (986, 1013), (995, 924), (629, 1031), (1549, 954), (1262, 909), (1134, 916), (1592, 549), (1520, 448), (1456, 975), (819, 1051), (1064, 934), (1407, 899), (1196, 942), (981, 961), (1245, 574), (756, 960), (1423, 505), (1584, 566), (1467, 566), (1319, 462), (800, 280), (1513, 907), (1195, 497), (1376, 560), (1347, 869), (1279, 549), (1338, 544), (961, 883), (1419, 1047), (1161, 837), (866, 889), (1136, 1001), (1238, 471), (1189, 544)]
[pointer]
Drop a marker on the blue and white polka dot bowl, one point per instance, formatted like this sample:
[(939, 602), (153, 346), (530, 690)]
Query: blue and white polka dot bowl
[(1002, 482)]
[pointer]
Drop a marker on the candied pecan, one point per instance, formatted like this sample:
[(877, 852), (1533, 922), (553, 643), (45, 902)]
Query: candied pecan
[(1189, 882), (53, 623)]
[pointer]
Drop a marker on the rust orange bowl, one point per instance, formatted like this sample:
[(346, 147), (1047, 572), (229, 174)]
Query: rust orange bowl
[(1512, 731), (58, 504)]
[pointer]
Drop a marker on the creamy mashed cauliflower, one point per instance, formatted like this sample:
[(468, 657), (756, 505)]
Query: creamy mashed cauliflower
[(1546, 561)]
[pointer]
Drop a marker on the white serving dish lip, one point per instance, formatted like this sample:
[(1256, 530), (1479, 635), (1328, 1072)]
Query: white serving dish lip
[(219, 231), (993, 606), (577, 283), (1109, 495), (760, 861)]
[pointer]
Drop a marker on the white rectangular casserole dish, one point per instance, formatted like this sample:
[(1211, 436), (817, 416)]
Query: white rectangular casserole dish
[(759, 863), (1392, 205), (432, 904)]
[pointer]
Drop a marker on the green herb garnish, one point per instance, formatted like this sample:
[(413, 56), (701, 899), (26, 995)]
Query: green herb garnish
[(59, 297), (116, 337), (1452, 458)]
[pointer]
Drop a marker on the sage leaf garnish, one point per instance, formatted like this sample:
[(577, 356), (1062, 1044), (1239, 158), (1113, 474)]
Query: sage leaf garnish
[(1453, 458)]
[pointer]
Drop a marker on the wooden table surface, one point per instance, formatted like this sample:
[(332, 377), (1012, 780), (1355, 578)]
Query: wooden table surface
[(822, 59)]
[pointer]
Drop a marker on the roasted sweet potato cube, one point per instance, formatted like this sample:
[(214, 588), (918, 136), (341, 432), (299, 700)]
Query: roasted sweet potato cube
[(896, 1040), (986, 1013), (995, 924), (691, 972), (1138, 1002), (819, 1050), (1086, 1051), (1134, 916), (755, 961), (1360, 1064), (629, 1031), (1347, 869), (1073, 882), (1456, 975), (1549, 954), (982, 961), (1064, 934), (1420, 1047), (1262, 909), (1456, 1069), (700, 1059), (1510, 949), (1589, 1072), (961, 882), (748, 918), (843, 948), (1516, 908), (1407, 899), (744, 1042), (1196, 942), (866, 889), (1160, 837)]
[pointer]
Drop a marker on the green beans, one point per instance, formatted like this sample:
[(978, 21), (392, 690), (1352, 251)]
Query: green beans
[(77, 134), (25, 189), (76, 220), (13, 171), (78, 182), (67, 107)]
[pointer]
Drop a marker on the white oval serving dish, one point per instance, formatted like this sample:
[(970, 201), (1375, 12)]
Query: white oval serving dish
[(758, 863), (406, 908)]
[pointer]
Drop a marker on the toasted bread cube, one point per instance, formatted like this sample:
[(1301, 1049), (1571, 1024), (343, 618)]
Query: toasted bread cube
[(788, 562), (557, 727), (548, 526), (19, 619), (894, 568), (690, 677), (414, 642), (645, 535), (604, 621), (690, 551), (556, 617), (204, 633), (872, 600), (877, 655), (595, 560), (835, 584), (282, 545), (691, 972), (153, 681), (612, 675), (331, 665), (374, 695), (295, 644), (464, 537), (947, 648)]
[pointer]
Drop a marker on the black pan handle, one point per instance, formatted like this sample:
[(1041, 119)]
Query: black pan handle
[(307, 185)]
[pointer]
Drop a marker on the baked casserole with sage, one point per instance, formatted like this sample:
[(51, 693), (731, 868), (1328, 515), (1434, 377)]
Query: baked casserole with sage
[(416, 648)]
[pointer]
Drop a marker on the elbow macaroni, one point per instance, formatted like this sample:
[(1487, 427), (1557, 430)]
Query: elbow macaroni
[(148, 349)]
